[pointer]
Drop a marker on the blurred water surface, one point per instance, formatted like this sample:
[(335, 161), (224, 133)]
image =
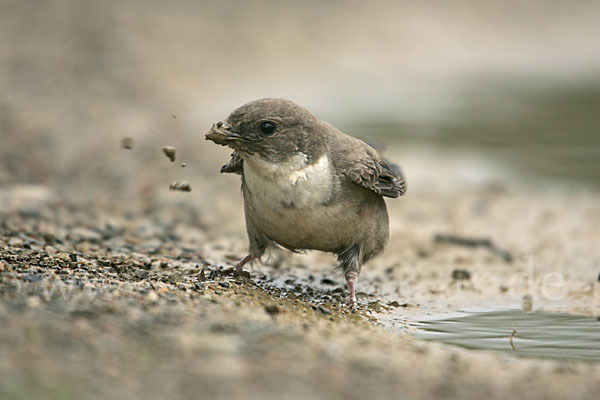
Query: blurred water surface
[(550, 132), (537, 334)]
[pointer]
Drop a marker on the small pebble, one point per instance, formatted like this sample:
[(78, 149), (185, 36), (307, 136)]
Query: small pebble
[(461, 274), (183, 165), (272, 309), (202, 276), (323, 310), (170, 152), (49, 238), (152, 297), (527, 303), (141, 273), (127, 143), (226, 285)]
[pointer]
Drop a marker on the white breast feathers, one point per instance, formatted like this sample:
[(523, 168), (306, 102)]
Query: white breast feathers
[(293, 183)]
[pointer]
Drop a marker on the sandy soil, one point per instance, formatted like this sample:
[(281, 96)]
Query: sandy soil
[(97, 301)]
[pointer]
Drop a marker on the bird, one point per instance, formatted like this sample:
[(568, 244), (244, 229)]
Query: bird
[(308, 186)]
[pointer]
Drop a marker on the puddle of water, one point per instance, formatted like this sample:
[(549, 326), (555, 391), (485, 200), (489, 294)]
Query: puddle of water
[(538, 334)]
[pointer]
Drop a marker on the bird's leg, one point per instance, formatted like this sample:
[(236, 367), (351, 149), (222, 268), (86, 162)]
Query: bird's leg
[(351, 279), (349, 263), (240, 264)]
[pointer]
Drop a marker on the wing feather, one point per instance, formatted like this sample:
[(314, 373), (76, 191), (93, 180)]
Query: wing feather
[(361, 164), (378, 177)]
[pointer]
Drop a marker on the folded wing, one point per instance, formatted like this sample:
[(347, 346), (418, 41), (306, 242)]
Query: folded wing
[(364, 166)]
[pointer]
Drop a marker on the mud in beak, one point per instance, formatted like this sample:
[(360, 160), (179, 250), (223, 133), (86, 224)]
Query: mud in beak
[(221, 133)]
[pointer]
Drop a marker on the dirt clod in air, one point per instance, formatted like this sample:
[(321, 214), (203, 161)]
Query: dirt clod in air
[(170, 152), (181, 186), (127, 143)]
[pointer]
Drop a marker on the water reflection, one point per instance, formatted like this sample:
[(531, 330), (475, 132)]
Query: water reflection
[(537, 334)]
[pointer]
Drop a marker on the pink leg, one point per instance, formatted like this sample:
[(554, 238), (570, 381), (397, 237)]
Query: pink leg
[(351, 278), (240, 264)]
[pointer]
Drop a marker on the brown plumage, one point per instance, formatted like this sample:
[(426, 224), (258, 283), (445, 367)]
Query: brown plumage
[(307, 185)]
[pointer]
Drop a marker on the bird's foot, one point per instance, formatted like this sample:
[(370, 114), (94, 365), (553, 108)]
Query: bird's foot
[(351, 303), (238, 270)]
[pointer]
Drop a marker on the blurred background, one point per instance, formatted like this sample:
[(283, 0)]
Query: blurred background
[(476, 90)]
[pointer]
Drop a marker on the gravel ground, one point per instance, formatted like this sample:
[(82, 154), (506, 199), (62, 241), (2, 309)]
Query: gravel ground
[(99, 302)]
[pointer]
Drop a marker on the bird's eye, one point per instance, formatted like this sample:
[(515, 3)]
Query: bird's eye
[(267, 127)]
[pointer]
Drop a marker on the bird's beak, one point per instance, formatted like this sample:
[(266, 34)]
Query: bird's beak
[(221, 133)]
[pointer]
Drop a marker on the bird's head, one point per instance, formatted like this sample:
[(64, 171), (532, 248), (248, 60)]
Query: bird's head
[(273, 129)]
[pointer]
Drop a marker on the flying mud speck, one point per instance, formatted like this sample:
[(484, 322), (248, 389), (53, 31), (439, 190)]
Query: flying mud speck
[(170, 152), (127, 143), (181, 186)]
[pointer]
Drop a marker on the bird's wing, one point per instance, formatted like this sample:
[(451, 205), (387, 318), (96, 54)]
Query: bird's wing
[(235, 165), (364, 166), (377, 176)]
